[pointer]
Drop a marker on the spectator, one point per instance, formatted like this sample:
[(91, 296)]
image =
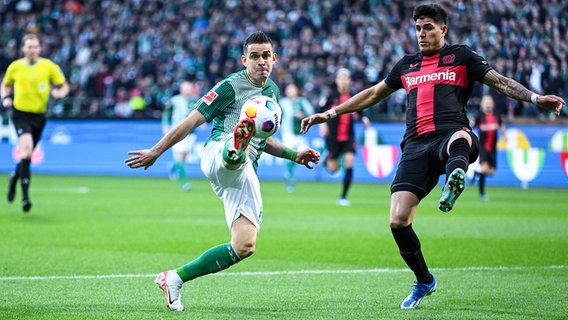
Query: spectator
[(179, 39)]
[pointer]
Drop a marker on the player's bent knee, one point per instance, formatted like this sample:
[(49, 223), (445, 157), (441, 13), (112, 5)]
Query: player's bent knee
[(245, 250), (397, 224)]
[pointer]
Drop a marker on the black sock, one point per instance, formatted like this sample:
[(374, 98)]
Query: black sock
[(459, 156), (481, 184), (25, 177), (16, 176), (17, 171), (409, 247), (347, 182)]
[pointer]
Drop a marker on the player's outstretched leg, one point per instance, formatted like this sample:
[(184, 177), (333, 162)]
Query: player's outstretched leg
[(418, 293), (170, 283), (234, 152), (452, 190)]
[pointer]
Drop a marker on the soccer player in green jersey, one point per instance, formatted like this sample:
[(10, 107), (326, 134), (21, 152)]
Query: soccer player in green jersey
[(229, 160), (177, 108), (294, 109), (31, 79)]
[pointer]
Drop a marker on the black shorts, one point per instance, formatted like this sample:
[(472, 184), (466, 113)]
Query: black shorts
[(336, 149), (26, 122), (423, 161), (488, 156)]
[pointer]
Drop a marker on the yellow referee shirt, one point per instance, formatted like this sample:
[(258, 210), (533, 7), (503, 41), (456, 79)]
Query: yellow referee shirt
[(32, 83)]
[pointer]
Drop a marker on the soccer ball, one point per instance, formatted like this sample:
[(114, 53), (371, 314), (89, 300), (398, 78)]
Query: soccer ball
[(265, 112)]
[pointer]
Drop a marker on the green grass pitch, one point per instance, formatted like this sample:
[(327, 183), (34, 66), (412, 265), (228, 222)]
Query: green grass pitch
[(91, 246)]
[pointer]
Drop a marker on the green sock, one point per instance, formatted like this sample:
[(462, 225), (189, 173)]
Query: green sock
[(291, 171), (213, 260), (181, 170), (228, 160)]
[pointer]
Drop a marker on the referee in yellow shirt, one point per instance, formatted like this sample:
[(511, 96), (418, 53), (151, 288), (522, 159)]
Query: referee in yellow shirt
[(31, 79)]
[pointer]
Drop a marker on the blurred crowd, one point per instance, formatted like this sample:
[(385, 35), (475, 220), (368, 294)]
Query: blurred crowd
[(125, 58)]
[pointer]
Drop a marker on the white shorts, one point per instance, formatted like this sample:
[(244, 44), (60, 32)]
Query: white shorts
[(296, 142), (184, 146), (238, 189)]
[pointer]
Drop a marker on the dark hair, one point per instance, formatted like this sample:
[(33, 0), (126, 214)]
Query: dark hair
[(258, 37), (433, 11)]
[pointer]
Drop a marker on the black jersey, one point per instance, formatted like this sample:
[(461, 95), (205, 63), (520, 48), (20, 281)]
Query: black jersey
[(341, 129), (437, 87), (488, 125)]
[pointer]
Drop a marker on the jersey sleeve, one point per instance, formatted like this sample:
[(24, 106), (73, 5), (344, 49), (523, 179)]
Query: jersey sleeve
[(308, 107), (393, 79), (477, 66), (9, 76), (216, 100), (56, 74)]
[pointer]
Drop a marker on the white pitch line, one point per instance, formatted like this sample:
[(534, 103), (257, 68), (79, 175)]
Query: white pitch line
[(79, 190), (298, 272)]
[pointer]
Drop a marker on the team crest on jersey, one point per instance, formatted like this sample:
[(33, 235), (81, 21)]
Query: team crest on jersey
[(209, 97), (449, 59)]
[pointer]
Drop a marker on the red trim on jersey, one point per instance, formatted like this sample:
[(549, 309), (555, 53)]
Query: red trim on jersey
[(424, 80), (489, 127), (344, 120)]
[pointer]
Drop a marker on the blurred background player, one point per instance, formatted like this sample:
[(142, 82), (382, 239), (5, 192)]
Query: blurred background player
[(294, 109), (339, 134), (488, 124), (31, 77), (177, 109)]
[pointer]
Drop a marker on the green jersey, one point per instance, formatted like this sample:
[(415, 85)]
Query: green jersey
[(222, 106)]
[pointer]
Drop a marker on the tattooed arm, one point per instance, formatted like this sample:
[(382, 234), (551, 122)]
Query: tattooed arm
[(515, 90)]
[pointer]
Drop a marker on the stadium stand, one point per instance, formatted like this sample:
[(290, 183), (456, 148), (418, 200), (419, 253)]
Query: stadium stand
[(135, 52)]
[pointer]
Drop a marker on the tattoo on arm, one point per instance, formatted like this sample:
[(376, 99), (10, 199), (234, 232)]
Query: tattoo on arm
[(507, 86)]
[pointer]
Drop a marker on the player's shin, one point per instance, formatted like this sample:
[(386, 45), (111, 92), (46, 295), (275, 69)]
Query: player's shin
[(213, 260), (409, 247)]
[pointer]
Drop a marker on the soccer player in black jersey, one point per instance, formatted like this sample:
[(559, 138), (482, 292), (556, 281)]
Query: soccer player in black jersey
[(339, 134), (488, 124), (438, 81)]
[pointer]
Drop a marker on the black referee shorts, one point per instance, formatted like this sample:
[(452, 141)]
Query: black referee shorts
[(26, 122)]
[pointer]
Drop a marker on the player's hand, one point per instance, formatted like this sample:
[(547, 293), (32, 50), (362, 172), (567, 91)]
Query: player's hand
[(551, 102), (140, 159), (306, 156), (57, 93), (7, 102), (317, 118)]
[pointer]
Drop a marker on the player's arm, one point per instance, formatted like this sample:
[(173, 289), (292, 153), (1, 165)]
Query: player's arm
[(60, 91), (503, 130), (146, 158), (279, 150), (5, 91), (515, 90), (358, 102)]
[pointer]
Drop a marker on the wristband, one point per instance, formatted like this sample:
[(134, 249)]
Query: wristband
[(534, 96), (289, 154), (332, 113)]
